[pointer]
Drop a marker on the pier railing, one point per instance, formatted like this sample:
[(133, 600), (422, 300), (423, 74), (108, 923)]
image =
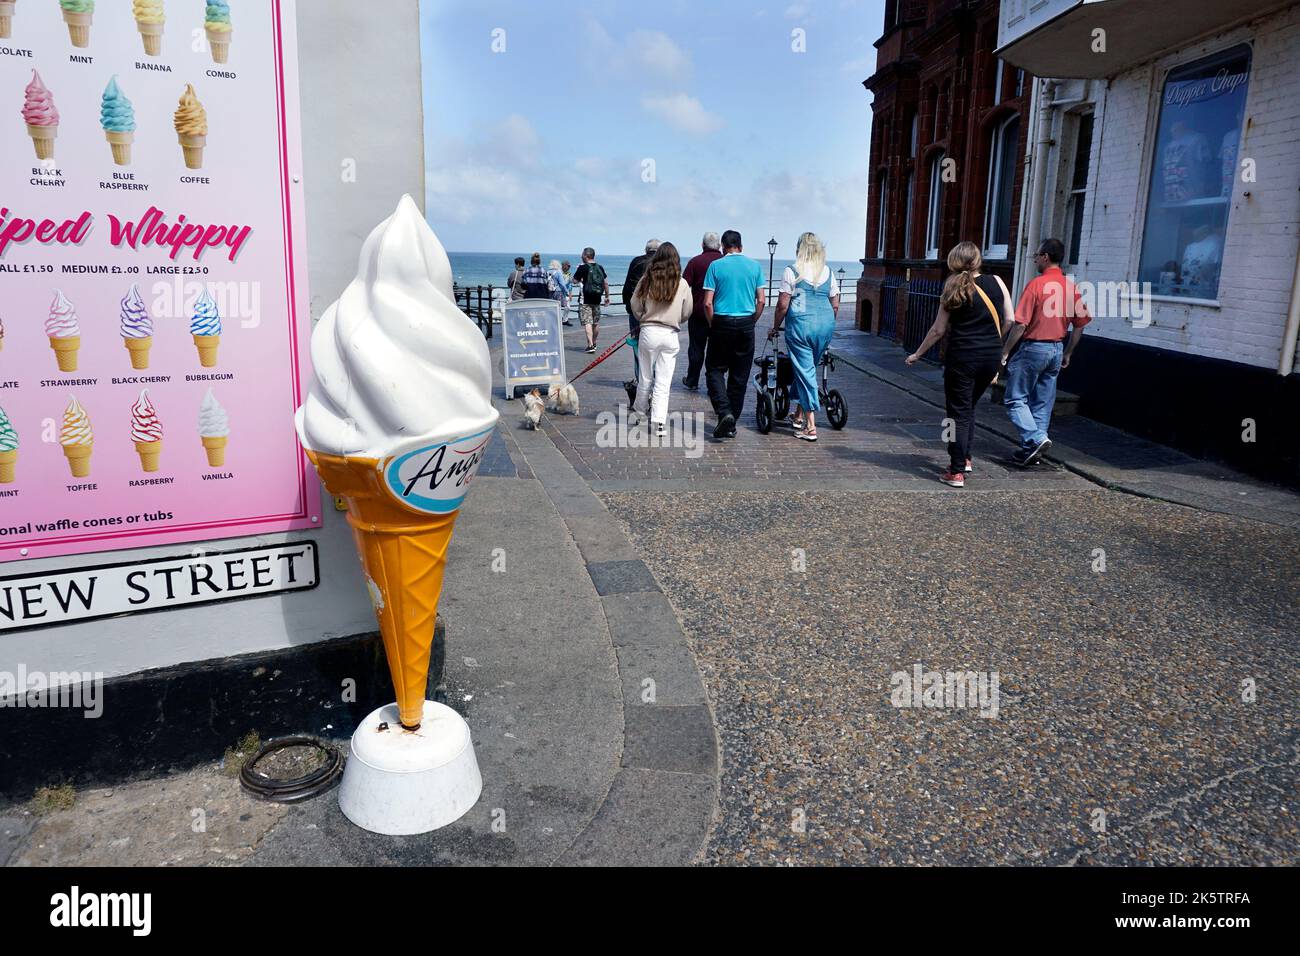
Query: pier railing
[(483, 303)]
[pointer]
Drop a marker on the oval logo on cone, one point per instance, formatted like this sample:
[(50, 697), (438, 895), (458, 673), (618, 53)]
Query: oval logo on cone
[(435, 478)]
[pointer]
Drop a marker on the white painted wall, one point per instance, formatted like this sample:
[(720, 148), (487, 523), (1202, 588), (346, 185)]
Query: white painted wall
[(1260, 248), (345, 54)]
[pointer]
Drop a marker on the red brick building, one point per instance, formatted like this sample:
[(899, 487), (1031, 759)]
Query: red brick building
[(948, 141)]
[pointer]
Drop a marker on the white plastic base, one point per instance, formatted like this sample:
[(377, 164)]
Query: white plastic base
[(399, 781)]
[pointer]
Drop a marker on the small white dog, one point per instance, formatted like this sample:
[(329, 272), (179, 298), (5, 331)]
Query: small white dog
[(563, 399), (533, 407)]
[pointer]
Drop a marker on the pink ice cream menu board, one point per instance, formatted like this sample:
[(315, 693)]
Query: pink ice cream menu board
[(153, 315)]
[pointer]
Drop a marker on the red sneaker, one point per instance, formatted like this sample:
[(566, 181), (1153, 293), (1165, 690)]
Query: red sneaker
[(954, 478)]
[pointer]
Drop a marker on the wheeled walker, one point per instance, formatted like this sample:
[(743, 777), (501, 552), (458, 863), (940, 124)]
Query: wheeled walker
[(775, 379)]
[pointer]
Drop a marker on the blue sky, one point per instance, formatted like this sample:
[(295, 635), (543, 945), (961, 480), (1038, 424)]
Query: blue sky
[(545, 145)]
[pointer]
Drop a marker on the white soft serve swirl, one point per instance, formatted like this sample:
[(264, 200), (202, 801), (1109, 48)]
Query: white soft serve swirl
[(394, 359)]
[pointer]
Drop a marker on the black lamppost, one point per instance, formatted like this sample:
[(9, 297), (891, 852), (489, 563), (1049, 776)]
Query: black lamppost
[(771, 262)]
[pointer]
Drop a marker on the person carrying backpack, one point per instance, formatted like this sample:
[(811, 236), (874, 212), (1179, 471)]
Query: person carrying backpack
[(536, 281), (594, 280)]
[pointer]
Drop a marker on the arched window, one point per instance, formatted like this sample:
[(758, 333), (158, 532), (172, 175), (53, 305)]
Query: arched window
[(934, 208), (1001, 183)]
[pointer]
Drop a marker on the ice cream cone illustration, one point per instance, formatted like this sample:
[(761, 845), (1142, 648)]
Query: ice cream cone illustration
[(78, 14), (149, 19), (214, 430), (146, 432), (8, 449), (205, 326), (191, 121), (6, 19), (395, 423), (117, 117), (137, 327), (216, 21), (76, 438), (64, 332), (41, 117)]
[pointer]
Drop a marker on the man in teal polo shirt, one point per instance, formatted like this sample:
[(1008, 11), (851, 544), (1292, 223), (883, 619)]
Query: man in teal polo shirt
[(734, 298)]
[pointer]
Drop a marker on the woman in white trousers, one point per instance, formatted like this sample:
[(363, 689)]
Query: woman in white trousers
[(662, 302)]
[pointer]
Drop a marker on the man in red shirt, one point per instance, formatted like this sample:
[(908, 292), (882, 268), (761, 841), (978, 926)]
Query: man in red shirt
[(1048, 307), (698, 326)]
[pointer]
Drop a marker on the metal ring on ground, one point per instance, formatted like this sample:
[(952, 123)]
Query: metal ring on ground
[(297, 788)]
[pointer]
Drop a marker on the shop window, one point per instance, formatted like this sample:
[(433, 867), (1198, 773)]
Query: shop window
[(1079, 188), (1001, 188), (934, 208), (1192, 174)]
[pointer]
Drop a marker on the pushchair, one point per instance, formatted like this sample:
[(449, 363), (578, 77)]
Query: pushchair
[(775, 381)]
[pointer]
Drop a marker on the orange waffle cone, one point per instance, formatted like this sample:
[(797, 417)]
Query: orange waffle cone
[(207, 346), (78, 459), (215, 446), (6, 18), (403, 553), (43, 139), (151, 35), (121, 146), (78, 27), (139, 349), (192, 147), (8, 465), (66, 348), (149, 452)]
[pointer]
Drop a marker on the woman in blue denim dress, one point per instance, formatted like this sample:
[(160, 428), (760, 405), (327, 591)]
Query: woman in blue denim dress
[(808, 305)]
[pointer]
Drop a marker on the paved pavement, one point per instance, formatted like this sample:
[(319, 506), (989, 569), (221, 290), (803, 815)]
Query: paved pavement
[(694, 655), (1098, 452)]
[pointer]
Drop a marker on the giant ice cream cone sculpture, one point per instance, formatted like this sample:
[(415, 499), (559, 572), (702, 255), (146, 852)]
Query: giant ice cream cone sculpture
[(64, 332), (77, 439), (78, 14), (41, 116), (396, 422), (149, 18)]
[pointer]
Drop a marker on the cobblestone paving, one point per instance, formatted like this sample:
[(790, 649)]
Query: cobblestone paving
[(1120, 691)]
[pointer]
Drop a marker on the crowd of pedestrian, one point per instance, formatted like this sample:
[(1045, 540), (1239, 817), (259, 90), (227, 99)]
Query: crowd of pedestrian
[(720, 295)]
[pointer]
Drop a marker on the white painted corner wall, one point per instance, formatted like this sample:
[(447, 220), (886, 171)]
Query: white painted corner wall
[(1263, 228), (345, 54)]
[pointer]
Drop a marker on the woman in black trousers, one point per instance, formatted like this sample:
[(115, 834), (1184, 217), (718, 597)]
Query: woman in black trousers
[(975, 312)]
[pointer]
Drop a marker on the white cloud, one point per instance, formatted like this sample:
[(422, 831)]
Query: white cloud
[(683, 112), (796, 10), (643, 55)]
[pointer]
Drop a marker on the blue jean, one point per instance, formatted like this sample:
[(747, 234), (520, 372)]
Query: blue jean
[(1031, 389), (806, 338)]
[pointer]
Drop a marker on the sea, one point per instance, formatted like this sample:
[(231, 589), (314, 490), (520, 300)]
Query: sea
[(494, 268)]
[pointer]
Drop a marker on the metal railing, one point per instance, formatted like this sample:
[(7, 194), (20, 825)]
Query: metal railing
[(483, 303), (922, 307), (889, 307)]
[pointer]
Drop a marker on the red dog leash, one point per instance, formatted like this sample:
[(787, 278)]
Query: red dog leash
[(600, 358)]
